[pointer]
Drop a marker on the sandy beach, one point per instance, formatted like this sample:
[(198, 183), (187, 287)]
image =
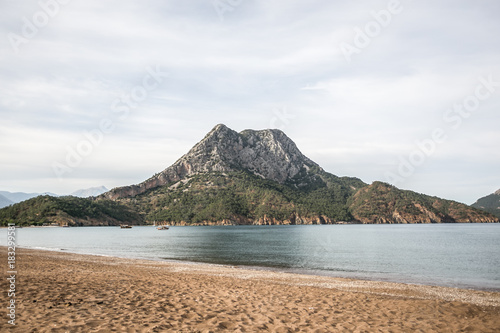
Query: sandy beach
[(62, 292)]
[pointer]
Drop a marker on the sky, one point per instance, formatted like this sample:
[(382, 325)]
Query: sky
[(111, 92)]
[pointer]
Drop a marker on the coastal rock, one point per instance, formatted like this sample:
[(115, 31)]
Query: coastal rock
[(266, 220)]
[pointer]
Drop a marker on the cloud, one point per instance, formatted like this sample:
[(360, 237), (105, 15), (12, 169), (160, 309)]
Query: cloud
[(354, 118)]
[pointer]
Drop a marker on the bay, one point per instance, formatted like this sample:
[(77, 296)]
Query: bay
[(454, 255)]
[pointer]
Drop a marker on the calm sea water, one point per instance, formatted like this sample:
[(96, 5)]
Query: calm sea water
[(456, 255)]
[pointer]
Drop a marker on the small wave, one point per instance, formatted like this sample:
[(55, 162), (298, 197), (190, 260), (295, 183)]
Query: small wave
[(43, 248)]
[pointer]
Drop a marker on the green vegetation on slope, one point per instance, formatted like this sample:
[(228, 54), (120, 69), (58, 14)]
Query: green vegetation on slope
[(215, 196), (68, 210), (244, 198), (384, 203), (490, 204)]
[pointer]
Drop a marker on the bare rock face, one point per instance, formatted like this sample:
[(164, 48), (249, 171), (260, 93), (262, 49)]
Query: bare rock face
[(269, 154)]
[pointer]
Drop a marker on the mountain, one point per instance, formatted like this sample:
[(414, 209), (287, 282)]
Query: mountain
[(489, 203), (269, 154), (261, 177), (68, 210), (16, 197), (251, 177), (90, 192), (384, 203), (4, 202)]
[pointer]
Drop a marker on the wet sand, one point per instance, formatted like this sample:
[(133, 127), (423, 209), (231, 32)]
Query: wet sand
[(62, 292)]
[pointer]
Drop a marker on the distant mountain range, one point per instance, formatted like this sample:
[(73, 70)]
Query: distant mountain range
[(9, 198), (489, 203), (4, 202), (16, 197), (251, 177), (90, 192)]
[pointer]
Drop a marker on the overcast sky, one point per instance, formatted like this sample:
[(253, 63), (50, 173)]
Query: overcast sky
[(406, 92)]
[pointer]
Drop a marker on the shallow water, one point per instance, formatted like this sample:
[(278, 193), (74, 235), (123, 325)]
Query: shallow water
[(455, 255)]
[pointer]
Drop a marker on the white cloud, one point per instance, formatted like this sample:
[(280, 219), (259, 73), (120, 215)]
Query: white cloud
[(353, 118)]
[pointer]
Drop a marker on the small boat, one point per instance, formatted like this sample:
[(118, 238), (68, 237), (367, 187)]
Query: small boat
[(163, 227), (125, 226)]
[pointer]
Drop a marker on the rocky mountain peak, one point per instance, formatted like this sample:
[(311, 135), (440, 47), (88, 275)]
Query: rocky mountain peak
[(89, 192), (268, 153), (497, 192)]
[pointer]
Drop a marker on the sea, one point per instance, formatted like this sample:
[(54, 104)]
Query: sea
[(452, 255)]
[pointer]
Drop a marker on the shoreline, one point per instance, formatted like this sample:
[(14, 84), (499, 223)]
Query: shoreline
[(206, 267), (276, 269), (61, 291), (176, 224)]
